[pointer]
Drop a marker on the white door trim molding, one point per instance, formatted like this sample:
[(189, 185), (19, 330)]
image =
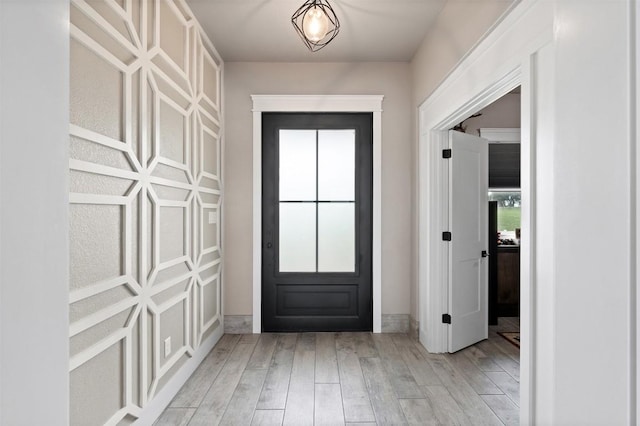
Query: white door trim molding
[(501, 135), (504, 59), (317, 103)]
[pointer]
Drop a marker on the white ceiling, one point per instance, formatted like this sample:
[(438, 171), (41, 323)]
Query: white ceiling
[(370, 30)]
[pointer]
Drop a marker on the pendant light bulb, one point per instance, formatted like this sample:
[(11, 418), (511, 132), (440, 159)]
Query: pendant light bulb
[(315, 24)]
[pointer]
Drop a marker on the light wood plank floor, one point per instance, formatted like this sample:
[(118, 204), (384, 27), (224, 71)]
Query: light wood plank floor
[(350, 378)]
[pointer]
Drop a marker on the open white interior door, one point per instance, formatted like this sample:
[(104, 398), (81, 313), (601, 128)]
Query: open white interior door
[(468, 268)]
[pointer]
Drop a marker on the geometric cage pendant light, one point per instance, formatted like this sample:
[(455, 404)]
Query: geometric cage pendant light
[(316, 23)]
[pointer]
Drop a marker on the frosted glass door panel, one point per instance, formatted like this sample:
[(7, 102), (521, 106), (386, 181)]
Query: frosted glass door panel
[(336, 165), (336, 237), (316, 256), (297, 165), (297, 237)]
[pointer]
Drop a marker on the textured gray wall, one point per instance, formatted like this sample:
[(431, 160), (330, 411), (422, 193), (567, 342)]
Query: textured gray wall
[(391, 79)]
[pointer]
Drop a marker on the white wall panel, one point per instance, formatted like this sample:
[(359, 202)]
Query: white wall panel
[(592, 209)]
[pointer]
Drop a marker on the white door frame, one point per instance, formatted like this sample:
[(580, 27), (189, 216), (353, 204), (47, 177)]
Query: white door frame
[(317, 103), (504, 59), (434, 213)]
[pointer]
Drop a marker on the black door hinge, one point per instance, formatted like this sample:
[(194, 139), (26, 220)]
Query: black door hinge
[(446, 236), (446, 319), (446, 153)]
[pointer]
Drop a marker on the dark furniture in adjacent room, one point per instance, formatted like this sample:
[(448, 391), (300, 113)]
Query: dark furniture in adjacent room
[(504, 273), (508, 278)]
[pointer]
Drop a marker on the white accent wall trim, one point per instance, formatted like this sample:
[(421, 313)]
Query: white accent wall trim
[(162, 399), (145, 195), (317, 103)]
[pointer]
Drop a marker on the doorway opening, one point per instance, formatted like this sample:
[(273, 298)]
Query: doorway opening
[(499, 123), (497, 127), (434, 216)]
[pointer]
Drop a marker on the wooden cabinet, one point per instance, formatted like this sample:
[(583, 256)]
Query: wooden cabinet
[(508, 277)]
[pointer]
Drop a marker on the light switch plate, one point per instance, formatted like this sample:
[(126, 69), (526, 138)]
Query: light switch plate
[(167, 346), (212, 218)]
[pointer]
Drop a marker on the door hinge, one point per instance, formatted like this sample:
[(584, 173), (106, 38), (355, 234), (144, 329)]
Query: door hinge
[(446, 153), (446, 236), (446, 319)]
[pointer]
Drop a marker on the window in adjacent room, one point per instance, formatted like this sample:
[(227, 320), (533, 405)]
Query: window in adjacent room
[(508, 211)]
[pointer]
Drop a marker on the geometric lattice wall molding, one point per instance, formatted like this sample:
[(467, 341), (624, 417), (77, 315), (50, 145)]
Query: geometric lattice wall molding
[(145, 194)]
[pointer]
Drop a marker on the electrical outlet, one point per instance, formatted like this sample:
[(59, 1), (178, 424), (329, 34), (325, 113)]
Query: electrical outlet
[(167, 346), (212, 217)]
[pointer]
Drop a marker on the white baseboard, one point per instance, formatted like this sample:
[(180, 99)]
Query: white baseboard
[(395, 323), (238, 324), (414, 328)]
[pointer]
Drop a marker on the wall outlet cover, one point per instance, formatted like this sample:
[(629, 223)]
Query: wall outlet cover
[(167, 346)]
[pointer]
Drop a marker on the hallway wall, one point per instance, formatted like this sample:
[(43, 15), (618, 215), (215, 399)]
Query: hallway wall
[(389, 79), (459, 27), (145, 257), (571, 357), (34, 209), (503, 113)]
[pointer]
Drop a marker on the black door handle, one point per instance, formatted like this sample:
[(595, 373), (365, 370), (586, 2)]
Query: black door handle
[(484, 253)]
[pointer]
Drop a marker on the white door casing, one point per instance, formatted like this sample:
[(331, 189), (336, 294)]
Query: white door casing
[(468, 185), (317, 103)]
